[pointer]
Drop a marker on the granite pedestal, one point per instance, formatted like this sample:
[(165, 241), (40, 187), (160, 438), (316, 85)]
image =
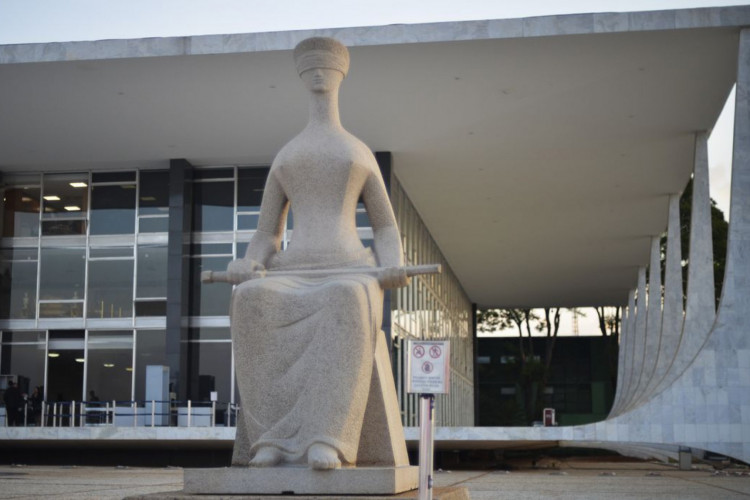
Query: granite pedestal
[(450, 493), (302, 480)]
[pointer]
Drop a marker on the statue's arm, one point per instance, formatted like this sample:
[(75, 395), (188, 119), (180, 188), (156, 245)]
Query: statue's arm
[(386, 237), (266, 241)]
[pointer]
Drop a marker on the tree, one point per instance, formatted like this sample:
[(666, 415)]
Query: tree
[(609, 325), (533, 369), (719, 233)]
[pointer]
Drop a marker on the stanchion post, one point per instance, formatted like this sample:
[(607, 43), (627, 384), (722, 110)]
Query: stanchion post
[(426, 444)]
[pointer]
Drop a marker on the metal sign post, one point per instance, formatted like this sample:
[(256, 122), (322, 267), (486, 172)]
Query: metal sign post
[(426, 444), (428, 373)]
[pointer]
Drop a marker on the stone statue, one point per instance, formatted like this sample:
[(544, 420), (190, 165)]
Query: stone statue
[(312, 367)]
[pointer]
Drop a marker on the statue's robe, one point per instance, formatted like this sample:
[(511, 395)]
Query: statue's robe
[(304, 350)]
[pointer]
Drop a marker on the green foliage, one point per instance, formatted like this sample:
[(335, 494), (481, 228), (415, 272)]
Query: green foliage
[(719, 230)]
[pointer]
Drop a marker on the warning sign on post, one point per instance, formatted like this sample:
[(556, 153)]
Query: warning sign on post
[(428, 366)]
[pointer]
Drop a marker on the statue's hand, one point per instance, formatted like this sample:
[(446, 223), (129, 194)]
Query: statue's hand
[(240, 270), (393, 277)]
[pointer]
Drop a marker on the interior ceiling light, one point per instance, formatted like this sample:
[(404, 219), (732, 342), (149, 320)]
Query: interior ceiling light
[(80, 360), (24, 199), (78, 184), (52, 197), (73, 208), (109, 365), (129, 369), (148, 198), (54, 355)]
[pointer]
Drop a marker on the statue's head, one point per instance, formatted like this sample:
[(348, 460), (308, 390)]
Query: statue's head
[(321, 63)]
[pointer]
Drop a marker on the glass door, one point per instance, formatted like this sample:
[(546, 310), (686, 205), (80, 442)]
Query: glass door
[(65, 360)]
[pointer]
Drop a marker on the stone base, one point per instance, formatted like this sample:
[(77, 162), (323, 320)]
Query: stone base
[(437, 494), (301, 481)]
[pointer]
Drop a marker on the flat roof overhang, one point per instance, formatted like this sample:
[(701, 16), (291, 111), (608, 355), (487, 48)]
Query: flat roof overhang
[(540, 152)]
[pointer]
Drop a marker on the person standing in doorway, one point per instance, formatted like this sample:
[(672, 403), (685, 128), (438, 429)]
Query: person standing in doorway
[(12, 400)]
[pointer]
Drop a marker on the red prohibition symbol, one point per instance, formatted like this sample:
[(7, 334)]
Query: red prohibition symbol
[(418, 351), (427, 367), (435, 352)]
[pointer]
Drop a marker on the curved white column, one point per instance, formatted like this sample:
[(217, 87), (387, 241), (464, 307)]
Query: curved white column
[(639, 342), (672, 315), (700, 311), (623, 357), (653, 323)]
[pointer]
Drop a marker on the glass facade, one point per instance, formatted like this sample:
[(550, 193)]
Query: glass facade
[(84, 260), (432, 307)]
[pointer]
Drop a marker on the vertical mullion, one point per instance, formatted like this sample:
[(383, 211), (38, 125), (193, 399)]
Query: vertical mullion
[(133, 332)]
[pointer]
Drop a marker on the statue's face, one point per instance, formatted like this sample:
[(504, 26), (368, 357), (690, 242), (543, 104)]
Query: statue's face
[(322, 80)]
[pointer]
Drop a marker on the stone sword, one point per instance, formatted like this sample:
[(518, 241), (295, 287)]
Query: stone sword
[(223, 276)]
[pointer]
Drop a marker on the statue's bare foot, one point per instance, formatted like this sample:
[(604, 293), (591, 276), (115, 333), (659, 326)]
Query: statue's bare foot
[(268, 456), (323, 457)]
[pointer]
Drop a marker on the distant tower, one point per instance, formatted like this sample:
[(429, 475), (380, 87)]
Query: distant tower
[(575, 321)]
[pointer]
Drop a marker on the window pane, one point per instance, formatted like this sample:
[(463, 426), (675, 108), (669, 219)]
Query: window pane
[(61, 310), (110, 293), (150, 350), (113, 209), (247, 222), (26, 362), (151, 308), (209, 299), (250, 185), (362, 219), (18, 268), (241, 249), (213, 363), (213, 173), (213, 206), (24, 336), (103, 252), (21, 211), (62, 273), (109, 367), (65, 196), (154, 193), (211, 249), (63, 227), (153, 224), (113, 176), (152, 271), (209, 333), (65, 365)]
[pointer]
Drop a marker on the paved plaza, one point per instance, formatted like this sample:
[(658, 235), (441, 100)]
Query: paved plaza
[(560, 479)]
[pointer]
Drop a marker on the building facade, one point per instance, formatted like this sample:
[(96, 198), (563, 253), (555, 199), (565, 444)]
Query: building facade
[(101, 278)]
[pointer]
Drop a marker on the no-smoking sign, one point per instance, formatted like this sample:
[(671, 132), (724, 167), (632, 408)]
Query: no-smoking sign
[(428, 366)]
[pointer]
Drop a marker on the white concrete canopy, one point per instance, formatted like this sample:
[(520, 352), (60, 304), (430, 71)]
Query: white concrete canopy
[(541, 153)]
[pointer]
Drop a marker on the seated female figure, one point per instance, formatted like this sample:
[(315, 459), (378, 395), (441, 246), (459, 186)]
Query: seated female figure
[(304, 346)]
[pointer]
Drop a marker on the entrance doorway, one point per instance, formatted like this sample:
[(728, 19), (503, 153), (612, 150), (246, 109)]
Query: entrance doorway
[(65, 360)]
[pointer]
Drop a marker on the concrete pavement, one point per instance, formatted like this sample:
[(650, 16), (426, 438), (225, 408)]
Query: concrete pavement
[(570, 478)]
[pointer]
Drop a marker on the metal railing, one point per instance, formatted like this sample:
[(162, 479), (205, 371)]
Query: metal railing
[(149, 413)]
